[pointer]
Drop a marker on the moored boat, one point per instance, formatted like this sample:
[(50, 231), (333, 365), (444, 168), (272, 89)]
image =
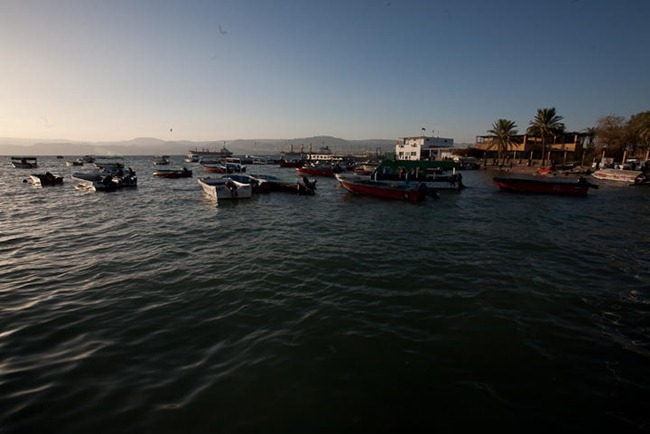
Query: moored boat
[(362, 185), (326, 170), (46, 179), (161, 160), (225, 188), (24, 162), (95, 181), (224, 168), (543, 185), (620, 175), (173, 173), (106, 180)]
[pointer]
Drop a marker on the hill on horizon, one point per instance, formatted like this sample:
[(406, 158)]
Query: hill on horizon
[(155, 146)]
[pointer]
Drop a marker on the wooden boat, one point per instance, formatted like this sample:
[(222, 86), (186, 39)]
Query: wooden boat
[(620, 175), (46, 179), (173, 173), (362, 185), (225, 188), (24, 162), (542, 185)]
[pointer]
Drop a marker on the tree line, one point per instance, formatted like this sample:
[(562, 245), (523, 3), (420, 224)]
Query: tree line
[(613, 136)]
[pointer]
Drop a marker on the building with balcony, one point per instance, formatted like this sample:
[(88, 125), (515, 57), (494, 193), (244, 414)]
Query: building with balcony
[(560, 148), (422, 148)]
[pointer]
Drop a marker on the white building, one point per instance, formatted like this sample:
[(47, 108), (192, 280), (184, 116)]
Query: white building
[(423, 148)]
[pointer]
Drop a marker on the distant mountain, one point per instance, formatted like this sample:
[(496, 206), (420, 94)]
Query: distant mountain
[(154, 146)]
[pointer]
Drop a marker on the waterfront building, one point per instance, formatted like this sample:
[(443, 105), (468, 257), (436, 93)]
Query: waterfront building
[(423, 148), (561, 148)]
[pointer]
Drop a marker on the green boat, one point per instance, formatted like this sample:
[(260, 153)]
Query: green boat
[(432, 173)]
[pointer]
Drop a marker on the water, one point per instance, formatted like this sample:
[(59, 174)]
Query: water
[(153, 310)]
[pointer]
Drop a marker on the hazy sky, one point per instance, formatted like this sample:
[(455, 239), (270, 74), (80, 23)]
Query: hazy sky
[(356, 69)]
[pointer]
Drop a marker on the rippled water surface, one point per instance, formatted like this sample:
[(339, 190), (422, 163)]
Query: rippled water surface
[(153, 310)]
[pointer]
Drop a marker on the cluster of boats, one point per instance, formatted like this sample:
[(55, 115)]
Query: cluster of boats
[(550, 183), (411, 181)]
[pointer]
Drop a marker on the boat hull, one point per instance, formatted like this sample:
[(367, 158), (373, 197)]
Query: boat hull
[(541, 186)]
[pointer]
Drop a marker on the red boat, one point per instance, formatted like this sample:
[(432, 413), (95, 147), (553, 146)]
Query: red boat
[(545, 186), (383, 189)]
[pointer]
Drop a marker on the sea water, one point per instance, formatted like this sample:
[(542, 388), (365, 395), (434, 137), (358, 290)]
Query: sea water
[(155, 310)]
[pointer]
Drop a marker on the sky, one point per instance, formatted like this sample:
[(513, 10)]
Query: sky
[(207, 70)]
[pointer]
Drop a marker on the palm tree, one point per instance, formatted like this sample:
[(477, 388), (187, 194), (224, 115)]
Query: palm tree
[(503, 131), (547, 123), (590, 135)]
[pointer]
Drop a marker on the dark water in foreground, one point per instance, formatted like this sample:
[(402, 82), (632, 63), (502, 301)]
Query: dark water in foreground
[(152, 310)]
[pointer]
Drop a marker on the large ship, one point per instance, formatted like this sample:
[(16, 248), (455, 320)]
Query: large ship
[(196, 155)]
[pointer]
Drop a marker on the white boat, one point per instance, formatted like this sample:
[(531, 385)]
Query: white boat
[(225, 189), (77, 162), (621, 175), (24, 162)]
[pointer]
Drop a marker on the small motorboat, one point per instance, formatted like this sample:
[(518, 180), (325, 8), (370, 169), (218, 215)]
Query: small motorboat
[(46, 179), (225, 188), (161, 160), (173, 173), (106, 180), (24, 162), (95, 181), (544, 185)]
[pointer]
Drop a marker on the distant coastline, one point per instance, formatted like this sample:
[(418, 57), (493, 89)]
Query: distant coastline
[(153, 146)]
